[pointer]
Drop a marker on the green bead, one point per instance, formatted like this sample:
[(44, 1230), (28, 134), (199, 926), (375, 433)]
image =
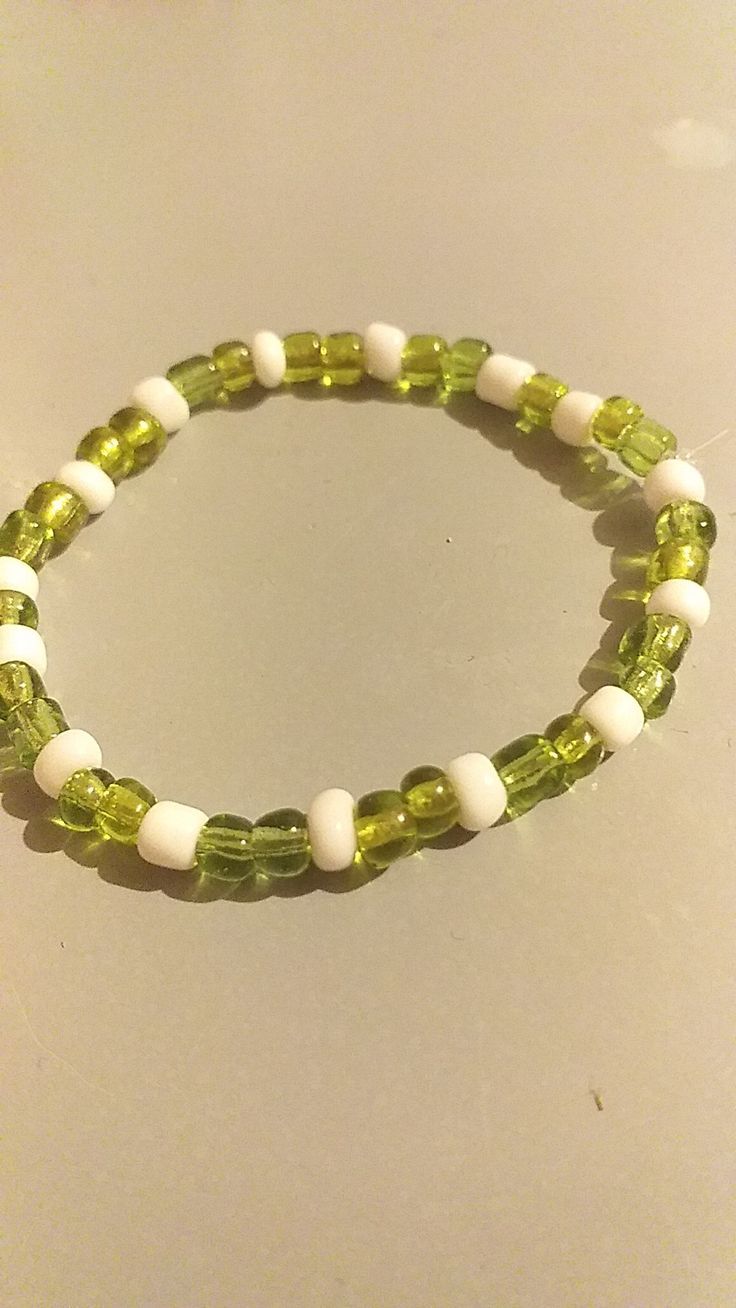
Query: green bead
[(31, 725), (643, 444), (578, 745), (536, 399), (651, 685), (23, 536), (385, 828), (198, 379), (303, 357), (429, 796), (342, 359), (122, 808), (678, 559), (224, 848), (280, 843), (423, 361), (142, 433), (17, 609), (686, 521), (659, 637), (235, 370), (612, 418), (81, 796), (58, 508), (461, 363), (531, 770), (106, 448), (19, 684)]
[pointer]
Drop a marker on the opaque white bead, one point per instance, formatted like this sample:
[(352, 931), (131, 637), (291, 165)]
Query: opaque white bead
[(616, 715), (332, 829), (17, 575), (269, 359), (168, 835), (571, 417), (681, 598), (672, 480), (89, 482), (161, 398), (23, 645), (481, 794), (383, 346), (499, 378), (61, 757)]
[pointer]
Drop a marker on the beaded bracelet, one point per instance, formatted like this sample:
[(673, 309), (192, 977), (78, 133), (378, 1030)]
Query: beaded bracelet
[(474, 791)]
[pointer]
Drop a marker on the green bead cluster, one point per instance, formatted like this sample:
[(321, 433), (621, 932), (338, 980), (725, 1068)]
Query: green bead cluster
[(619, 424)]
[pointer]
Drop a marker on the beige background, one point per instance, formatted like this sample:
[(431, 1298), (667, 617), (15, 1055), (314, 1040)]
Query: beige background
[(386, 1098)]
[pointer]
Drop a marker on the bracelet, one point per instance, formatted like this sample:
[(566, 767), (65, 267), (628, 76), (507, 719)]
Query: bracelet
[(474, 791)]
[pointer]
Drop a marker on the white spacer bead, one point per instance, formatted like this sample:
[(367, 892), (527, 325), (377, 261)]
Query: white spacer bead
[(168, 835), (20, 644), (681, 598), (383, 346), (616, 715), (480, 791), (500, 377), (332, 830), (269, 359), (61, 757), (571, 417), (161, 398), (90, 483), (671, 480), (17, 575)]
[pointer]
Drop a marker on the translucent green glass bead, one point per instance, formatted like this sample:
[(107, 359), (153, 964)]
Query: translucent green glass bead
[(107, 449), (423, 361), (429, 796), (643, 444), (678, 559), (461, 363), (385, 828), (612, 418), (536, 400), (32, 725), (19, 684), (235, 370), (303, 357), (122, 808), (657, 637), (531, 770), (23, 536), (17, 609), (81, 796), (225, 848), (651, 685), (687, 521), (280, 843), (342, 359), (198, 379), (58, 508), (142, 433), (578, 745)]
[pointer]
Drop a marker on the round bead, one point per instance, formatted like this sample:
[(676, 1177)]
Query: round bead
[(652, 686), (643, 444), (17, 575), (612, 419), (280, 843), (302, 351), (23, 536), (269, 359), (32, 725), (225, 848), (234, 365), (682, 599), (198, 380), (501, 378), (657, 636), (107, 450), (90, 483), (687, 520), (616, 715), (331, 829), (461, 363), (122, 809), (62, 757), (531, 770), (17, 609), (383, 346), (142, 433), (571, 417), (342, 359), (80, 796), (384, 828), (536, 400), (19, 684), (159, 396), (423, 360), (23, 645), (480, 792), (578, 744), (168, 835), (59, 508), (431, 800), (671, 480), (683, 559)]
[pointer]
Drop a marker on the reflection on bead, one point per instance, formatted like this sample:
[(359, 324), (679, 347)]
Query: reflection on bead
[(578, 744), (107, 449), (385, 829), (303, 357), (19, 684), (651, 685), (224, 848), (678, 559), (687, 520), (59, 508), (422, 360), (198, 379), (142, 433), (612, 418), (659, 637), (122, 809), (643, 444), (80, 797), (17, 609), (536, 400), (32, 725), (429, 796), (342, 359), (280, 843), (461, 363), (234, 365), (24, 537), (531, 770)]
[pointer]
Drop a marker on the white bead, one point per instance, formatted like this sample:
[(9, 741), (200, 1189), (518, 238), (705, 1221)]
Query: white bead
[(269, 359), (89, 482), (383, 346), (616, 715), (681, 598), (17, 575), (571, 417), (61, 757), (168, 835), (481, 794), (23, 645), (332, 829), (499, 378), (671, 480), (161, 398)]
